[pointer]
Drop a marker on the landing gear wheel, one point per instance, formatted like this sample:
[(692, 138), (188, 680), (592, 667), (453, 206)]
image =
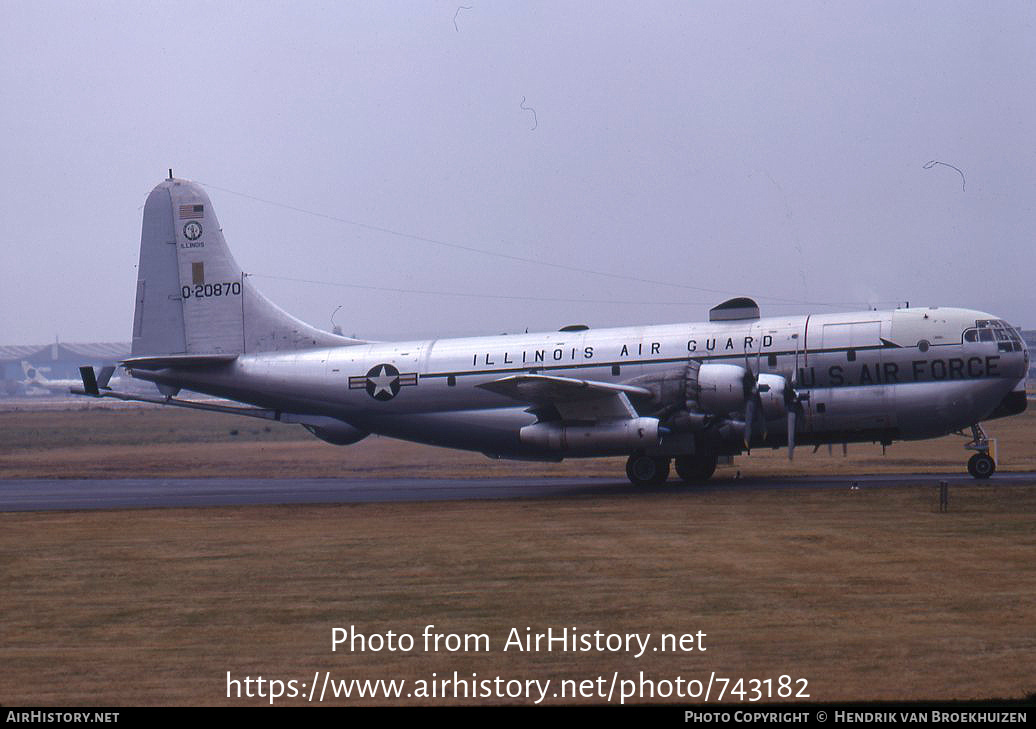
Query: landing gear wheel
[(981, 465), (696, 468), (647, 470)]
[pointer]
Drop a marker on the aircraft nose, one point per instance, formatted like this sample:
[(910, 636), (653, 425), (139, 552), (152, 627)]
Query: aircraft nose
[(1014, 355)]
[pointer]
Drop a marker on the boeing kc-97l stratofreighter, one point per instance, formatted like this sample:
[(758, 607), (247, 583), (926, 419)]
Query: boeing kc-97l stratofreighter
[(689, 393)]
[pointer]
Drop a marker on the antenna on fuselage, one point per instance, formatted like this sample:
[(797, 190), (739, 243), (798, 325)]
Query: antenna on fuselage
[(335, 329)]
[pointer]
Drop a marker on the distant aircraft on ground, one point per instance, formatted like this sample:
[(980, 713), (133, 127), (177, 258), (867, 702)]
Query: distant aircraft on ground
[(35, 378), (689, 393)]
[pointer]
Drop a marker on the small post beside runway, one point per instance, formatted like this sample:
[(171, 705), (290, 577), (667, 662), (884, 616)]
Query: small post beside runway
[(944, 496)]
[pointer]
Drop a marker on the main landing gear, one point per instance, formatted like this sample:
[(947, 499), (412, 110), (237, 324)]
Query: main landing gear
[(981, 465), (696, 468), (644, 470)]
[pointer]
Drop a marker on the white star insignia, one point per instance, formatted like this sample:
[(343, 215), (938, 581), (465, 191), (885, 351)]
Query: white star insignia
[(382, 382)]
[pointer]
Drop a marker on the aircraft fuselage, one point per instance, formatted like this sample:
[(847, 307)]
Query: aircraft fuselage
[(863, 376), (687, 393)]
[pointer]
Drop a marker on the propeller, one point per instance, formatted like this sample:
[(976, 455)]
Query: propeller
[(753, 404), (755, 385), (791, 434), (793, 405), (793, 402)]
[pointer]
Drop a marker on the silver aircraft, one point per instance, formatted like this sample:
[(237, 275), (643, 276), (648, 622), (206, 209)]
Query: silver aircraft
[(39, 381), (685, 393)]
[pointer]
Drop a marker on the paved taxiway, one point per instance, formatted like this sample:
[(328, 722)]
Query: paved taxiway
[(86, 494)]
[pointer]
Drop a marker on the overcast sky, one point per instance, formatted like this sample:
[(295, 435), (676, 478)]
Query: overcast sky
[(693, 151)]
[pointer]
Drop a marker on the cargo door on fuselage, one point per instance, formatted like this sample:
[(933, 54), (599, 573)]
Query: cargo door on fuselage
[(851, 394)]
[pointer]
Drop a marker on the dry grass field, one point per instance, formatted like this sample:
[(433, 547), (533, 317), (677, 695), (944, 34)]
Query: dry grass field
[(869, 594)]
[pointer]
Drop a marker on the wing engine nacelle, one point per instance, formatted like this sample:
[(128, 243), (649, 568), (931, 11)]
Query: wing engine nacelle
[(773, 395), (721, 389), (606, 436)]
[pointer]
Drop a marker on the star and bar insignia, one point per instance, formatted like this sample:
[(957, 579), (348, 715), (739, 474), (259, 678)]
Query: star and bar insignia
[(383, 381)]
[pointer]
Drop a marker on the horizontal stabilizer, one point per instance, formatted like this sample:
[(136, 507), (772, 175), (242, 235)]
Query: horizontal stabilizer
[(177, 360)]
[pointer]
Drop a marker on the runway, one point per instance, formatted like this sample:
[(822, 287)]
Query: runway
[(94, 494)]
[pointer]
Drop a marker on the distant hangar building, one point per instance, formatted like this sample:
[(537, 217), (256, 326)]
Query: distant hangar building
[(57, 361)]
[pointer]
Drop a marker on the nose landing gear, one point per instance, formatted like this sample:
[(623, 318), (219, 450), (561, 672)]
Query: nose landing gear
[(981, 465)]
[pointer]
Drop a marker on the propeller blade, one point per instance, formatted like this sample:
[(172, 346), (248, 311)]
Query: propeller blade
[(749, 421), (791, 435)]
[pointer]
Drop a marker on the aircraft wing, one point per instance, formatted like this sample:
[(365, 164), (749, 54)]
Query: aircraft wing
[(573, 399)]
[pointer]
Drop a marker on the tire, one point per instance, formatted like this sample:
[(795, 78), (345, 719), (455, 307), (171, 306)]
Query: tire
[(981, 465), (647, 470), (696, 468)]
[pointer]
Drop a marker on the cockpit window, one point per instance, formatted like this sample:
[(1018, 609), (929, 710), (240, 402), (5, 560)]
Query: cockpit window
[(995, 330)]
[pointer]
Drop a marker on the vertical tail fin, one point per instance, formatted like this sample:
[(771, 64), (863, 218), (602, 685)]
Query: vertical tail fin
[(192, 297), (32, 375)]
